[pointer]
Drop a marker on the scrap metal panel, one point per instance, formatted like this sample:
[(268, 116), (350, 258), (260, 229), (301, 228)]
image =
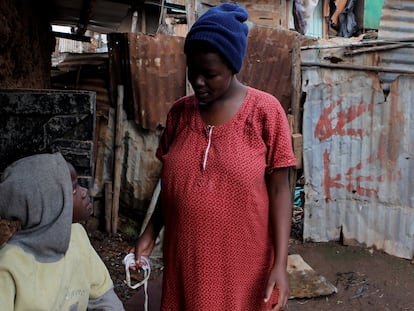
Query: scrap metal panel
[(152, 69), (358, 158), (397, 24), (268, 62), (158, 76)]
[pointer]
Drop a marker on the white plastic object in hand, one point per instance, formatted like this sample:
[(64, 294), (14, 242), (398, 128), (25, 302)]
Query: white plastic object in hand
[(129, 261)]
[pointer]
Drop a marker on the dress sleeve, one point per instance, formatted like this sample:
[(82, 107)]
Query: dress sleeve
[(277, 137), (172, 125), (165, 136)]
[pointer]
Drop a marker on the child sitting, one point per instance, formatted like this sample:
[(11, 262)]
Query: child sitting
[(50, 264)]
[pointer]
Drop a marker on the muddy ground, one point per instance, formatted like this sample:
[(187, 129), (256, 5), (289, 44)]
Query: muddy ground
[(365, 279)]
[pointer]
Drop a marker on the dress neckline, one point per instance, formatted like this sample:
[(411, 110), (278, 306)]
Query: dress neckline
[(201, 126)]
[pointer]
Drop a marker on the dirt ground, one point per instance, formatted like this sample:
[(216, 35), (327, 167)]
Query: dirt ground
[(365, 279)]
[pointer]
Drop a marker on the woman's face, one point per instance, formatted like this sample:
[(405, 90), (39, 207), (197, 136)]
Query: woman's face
[(209, 76), (82, 206)]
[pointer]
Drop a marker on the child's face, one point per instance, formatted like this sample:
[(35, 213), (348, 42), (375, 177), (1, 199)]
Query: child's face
[(82, 206)]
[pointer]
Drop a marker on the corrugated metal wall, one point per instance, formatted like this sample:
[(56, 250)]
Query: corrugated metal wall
[(397, 24), (358, 156), (268, 62), (152, 69)]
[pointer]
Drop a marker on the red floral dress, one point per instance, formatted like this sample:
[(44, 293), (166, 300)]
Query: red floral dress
[(217, 244)]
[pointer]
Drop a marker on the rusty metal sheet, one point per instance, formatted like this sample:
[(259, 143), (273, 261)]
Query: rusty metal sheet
[(268, 62), (158, 76), (152, 69), (358, 157)]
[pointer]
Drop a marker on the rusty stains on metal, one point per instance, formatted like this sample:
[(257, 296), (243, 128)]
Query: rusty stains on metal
[(152, 68), (158, 76), (268, 62)]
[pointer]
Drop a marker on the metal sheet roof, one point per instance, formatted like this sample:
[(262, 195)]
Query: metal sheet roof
[(102, 16)]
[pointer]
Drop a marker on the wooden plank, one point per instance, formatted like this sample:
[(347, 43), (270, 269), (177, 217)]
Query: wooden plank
[(296, 86), (108, 206), (297, 142), (377, 48), (191, 12), (288, 12), (326, 19), (192, 15), (118, 159), (291, 121), (292, 170)]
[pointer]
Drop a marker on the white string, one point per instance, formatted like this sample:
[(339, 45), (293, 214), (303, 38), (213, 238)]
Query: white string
[(210, 131), (129, 261)]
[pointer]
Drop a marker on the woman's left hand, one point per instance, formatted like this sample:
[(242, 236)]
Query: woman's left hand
[(278, 279)]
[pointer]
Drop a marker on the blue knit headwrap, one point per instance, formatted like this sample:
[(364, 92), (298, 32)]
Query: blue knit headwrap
[(223, 27)]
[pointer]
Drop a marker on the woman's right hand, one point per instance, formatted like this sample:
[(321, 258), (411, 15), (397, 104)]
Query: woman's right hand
[(146, 242), (143, 247)]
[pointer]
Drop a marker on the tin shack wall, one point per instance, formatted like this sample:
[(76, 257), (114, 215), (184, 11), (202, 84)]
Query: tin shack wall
[(358, 152), (152, 70)]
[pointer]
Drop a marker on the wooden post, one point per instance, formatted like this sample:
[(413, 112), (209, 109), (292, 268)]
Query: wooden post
[(295, 106), (118, 159), (292, 170), (296, 86), (108, 207), (144, 21), (325, 19), (191, 12), (134, 22)]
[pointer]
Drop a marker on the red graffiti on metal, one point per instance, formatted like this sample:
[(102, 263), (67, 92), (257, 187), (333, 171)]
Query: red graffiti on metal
[(351, 183), (330, 124)]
